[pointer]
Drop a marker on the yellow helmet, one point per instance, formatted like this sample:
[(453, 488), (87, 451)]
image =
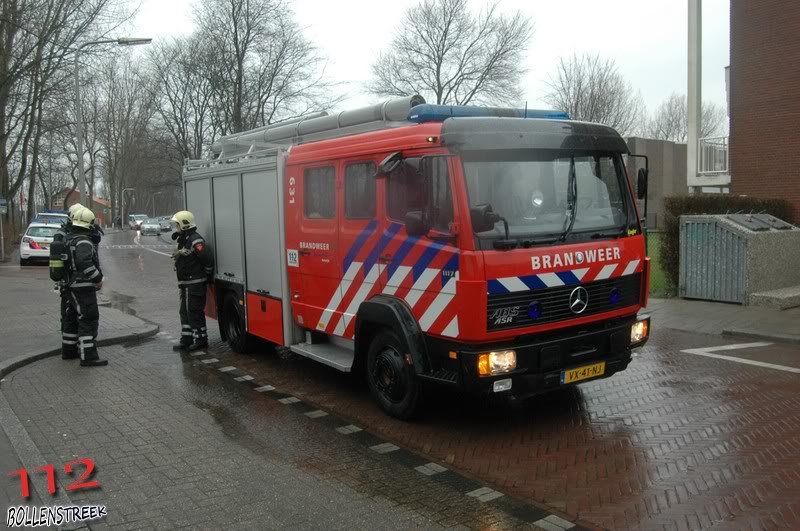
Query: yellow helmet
[(184, 220), (83, 217), (73, 209)]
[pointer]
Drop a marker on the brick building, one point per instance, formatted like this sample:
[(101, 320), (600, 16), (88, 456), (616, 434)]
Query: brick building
[(765, 99), (68, 197)]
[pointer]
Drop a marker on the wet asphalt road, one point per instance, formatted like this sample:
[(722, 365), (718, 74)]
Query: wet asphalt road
[(681, 439)]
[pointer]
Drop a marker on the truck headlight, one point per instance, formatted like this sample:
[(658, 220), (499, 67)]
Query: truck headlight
[(500, 362), (640, 330)]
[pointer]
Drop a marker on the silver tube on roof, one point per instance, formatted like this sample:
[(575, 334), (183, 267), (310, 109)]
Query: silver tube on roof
[(347, 122), (236, 137)]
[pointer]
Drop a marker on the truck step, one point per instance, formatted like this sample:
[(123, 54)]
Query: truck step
[(338, 357)]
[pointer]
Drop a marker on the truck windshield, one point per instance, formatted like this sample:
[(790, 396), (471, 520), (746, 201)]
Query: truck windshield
[(530, 189)]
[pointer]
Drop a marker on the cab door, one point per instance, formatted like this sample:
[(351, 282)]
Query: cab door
[(316, 256), (361, 239)]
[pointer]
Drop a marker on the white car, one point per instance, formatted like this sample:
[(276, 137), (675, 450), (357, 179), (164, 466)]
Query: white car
[(135, 221), (35, 244), (150, 226)]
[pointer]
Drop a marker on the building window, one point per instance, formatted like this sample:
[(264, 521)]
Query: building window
[(319, 193)]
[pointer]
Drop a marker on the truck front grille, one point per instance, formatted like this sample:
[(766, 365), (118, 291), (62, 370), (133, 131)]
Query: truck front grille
[(510, 310)]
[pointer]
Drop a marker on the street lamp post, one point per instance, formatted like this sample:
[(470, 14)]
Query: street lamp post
[(122, 41), (122, 198), (154, 202)]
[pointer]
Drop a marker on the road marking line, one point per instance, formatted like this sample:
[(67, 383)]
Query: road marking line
[(430, 469), (485, 494), (245, 378), (317, 413), (227, 369), (384, 448), (708, 352), (554, 520), (154, 251), (347, 430), (264, 388), (210, 361), (289, 400)]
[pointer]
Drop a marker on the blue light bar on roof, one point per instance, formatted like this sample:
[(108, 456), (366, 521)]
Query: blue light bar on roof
[(438, 113)]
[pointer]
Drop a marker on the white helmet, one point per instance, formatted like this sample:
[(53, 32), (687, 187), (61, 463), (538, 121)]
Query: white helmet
[(73, 209), (83, 217), (184, 220)]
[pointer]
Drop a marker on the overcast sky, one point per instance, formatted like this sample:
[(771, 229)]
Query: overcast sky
[(646, 38)]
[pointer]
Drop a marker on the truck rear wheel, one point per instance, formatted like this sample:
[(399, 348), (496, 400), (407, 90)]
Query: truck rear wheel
[(393, 383), (234, 325)]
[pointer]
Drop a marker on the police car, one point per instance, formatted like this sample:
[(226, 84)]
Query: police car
[(35, 244)]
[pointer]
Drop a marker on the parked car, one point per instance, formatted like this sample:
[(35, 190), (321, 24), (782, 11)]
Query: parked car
[(150, 226), (50, 218), (35, 244), (135, 221), (165, 223)]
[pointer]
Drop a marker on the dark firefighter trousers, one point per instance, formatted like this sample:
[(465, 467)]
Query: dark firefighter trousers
[(80, 323), (192, 312)]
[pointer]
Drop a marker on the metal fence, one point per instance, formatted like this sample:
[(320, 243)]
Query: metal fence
[(713, 156)]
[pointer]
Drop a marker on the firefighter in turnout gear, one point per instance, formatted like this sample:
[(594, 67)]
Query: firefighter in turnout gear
[(84, 278), (194, 266), (59, 264)]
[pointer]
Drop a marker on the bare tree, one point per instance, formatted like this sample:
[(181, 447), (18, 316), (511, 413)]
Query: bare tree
[(262, 67), (38, 39), (452, 56), (185, 93), (670, 121), (592, 89)]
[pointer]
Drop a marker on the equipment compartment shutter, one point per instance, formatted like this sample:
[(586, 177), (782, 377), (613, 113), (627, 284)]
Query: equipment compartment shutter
[(228, 220), (198, 202), (262, 224)]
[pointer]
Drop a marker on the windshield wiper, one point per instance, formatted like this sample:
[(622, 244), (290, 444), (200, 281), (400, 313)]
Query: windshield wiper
[(599, 235), (572, 200)]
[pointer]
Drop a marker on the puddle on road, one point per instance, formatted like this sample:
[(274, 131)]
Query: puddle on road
[(122, 302)]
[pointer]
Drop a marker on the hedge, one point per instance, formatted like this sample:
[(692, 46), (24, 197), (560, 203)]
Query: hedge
[(685, 205)]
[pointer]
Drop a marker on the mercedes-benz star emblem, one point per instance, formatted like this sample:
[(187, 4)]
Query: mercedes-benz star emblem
[(578, 300)]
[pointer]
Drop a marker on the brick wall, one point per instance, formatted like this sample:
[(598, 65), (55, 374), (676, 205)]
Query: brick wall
[(765, 99)]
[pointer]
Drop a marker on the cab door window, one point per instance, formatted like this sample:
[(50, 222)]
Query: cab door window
[(319, 193), (425, 190), (359, 190)]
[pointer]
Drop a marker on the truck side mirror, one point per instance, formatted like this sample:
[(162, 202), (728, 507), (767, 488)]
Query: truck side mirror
[(641, 183), (389, 164), (483, 217), (416, 224)]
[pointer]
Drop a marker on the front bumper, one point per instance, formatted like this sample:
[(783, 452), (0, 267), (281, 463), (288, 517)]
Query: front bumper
[(541, 359)]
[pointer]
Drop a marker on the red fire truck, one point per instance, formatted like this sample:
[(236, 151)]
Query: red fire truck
[(495, 250)]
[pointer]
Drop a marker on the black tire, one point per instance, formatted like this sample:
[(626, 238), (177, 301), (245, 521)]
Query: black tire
[(393, 383), (235, 332)]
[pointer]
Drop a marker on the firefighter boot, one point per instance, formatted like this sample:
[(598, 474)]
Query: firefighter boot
[(89, 357), (69, 346), (186, 337), (199, 344)]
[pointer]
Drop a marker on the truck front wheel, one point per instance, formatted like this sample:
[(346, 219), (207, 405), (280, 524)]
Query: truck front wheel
[(393, 383)]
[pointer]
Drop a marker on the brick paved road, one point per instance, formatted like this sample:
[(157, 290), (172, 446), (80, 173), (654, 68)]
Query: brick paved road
[(677, 441), (180, 443)]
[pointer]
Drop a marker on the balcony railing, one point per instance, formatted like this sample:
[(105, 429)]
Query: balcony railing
[(713, 156)]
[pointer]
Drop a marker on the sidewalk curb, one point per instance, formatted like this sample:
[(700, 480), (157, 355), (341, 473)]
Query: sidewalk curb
[(8, 366), (755, 334)]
